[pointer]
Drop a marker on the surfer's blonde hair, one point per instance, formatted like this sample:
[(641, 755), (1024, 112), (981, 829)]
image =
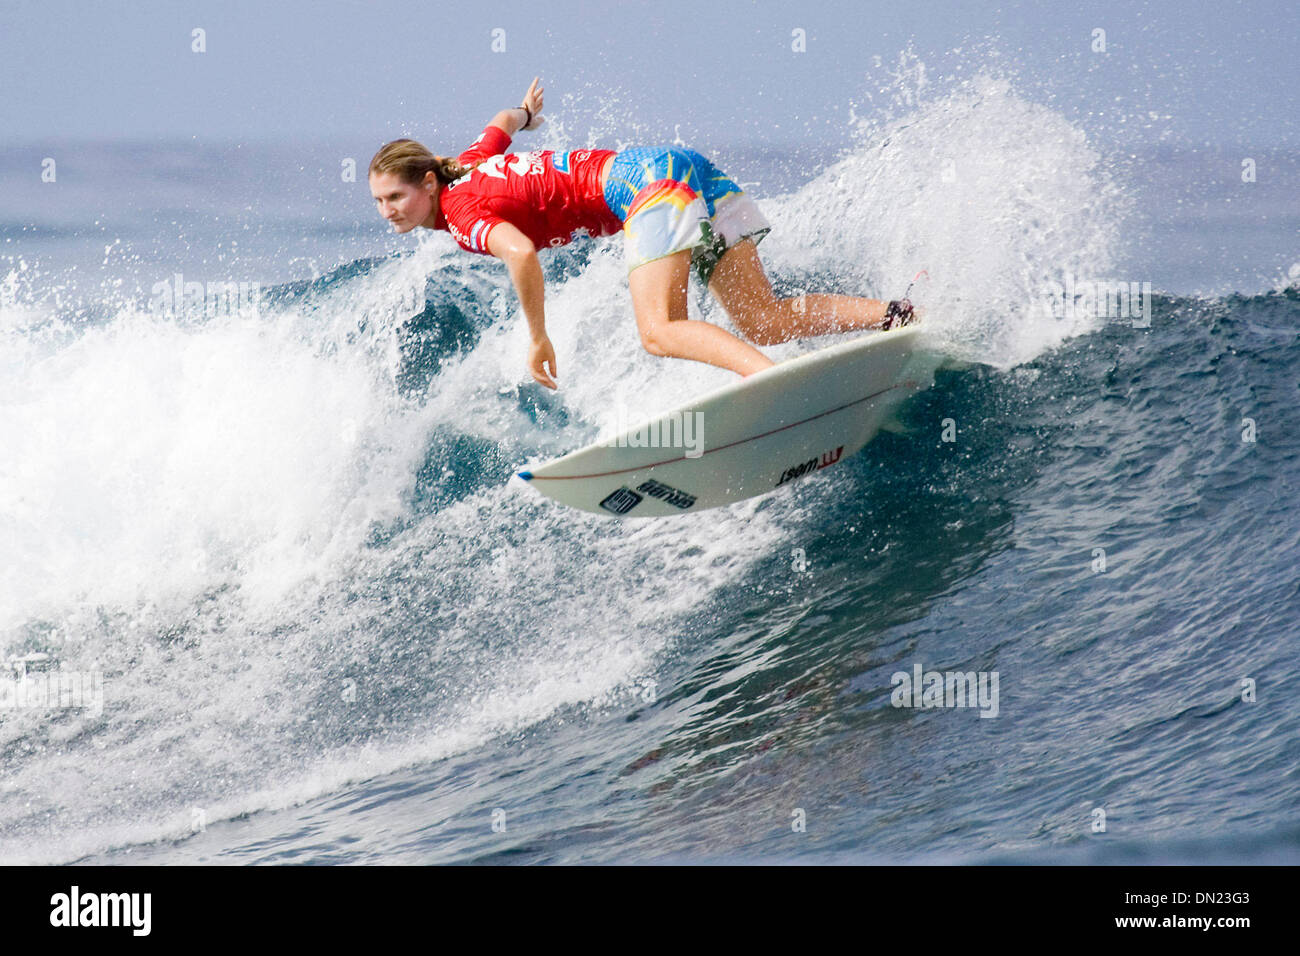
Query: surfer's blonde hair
[(411, 162)]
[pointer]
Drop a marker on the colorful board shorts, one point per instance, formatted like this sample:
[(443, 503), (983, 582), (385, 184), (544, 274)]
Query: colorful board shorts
[(671, 199)]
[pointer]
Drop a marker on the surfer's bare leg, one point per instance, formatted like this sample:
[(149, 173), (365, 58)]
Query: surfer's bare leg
[(740, 284), (659, 300)]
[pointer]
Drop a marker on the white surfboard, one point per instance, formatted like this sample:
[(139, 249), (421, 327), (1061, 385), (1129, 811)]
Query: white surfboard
[(747, 438)]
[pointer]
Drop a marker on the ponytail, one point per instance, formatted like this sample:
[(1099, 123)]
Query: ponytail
[(412, 162)]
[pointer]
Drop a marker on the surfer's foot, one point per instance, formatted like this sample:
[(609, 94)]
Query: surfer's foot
[(898, 313)]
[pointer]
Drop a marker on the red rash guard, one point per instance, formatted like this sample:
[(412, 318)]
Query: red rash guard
[(547, 196)]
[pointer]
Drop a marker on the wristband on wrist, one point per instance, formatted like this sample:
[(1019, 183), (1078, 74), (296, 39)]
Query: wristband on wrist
[(898, 312), (529, 121)]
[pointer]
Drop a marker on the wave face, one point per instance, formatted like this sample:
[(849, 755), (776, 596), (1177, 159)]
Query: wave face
[(279, 540)]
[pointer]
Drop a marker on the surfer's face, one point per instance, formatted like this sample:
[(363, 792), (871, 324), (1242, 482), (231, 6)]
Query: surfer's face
[(405, 205)]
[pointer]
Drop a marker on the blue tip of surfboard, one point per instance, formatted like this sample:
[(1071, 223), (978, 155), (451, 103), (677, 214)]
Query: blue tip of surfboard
[(526, 475)]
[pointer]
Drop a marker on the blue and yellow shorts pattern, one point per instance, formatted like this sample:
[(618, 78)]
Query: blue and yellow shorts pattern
[(671, 199)]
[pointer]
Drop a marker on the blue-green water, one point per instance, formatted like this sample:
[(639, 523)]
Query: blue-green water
[(327, 629)]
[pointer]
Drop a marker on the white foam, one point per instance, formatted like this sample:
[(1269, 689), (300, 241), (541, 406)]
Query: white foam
[(994, 196)]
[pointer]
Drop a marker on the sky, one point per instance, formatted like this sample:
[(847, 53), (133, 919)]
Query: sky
[(1198, 72)]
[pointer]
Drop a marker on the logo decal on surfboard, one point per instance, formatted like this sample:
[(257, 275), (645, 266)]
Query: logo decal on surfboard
[(670, 495), (622, 501), (625, 499), (811, 465)]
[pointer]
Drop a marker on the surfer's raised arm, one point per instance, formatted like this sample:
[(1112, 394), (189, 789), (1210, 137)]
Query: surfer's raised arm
[(528, 115), (516, 250)]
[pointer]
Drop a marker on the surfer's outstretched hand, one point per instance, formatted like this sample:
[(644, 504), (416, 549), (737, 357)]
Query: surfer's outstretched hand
[(540, 355), (533, 102)]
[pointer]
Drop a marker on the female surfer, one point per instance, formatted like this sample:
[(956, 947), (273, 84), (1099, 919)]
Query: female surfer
[(677, 212)]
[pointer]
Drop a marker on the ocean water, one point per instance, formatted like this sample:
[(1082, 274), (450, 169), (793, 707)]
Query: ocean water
[(273, 542)]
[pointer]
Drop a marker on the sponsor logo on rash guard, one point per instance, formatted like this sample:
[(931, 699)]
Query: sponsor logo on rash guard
[(475, 239)]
